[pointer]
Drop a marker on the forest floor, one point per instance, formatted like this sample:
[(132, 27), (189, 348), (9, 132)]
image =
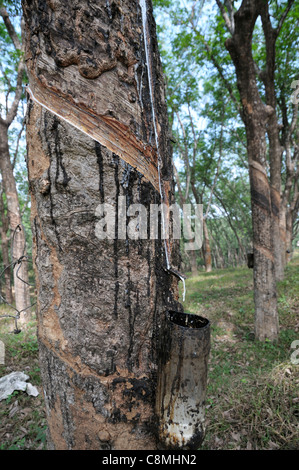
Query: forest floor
[(253, 388)]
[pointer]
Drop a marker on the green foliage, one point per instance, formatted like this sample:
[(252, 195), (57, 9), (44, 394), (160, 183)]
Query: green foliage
[(202, 89), (11, 397), (162, 3), (14, 7)]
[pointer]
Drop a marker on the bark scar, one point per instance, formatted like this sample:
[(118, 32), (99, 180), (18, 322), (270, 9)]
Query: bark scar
[(105, 130)]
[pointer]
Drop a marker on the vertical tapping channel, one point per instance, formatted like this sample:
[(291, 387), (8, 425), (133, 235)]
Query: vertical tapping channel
[(182, 380), (151, 91), (146, 39)]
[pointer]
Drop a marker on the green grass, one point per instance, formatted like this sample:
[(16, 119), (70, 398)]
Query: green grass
[(253, 387)]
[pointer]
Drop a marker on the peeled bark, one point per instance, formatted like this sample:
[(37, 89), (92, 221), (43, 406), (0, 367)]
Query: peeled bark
[(100, 302)]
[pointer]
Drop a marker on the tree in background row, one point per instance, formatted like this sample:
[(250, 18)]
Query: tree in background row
[(257, 93), (12, 81)]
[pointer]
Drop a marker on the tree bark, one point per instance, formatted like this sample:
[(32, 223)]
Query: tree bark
[(290, 195), (207, 248), (192, 253), (5, 252), (100, 302), (22, 294), (275, 148), (193, 262), (255, 116)]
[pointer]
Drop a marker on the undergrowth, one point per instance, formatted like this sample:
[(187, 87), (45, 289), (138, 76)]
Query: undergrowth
[(252, 396), (253, 387)]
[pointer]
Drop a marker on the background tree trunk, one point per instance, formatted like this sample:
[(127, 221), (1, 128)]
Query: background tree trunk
[(255, 116), (193, 262), (100, 302), (5, 252), (207, 248), (22, 294)]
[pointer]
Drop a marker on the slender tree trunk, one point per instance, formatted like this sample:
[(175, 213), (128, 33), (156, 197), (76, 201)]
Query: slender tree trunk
[(5, 252), (219, 256), (218, 250), (283, 231), (255, 116), (290, 206), (275, 148), (207, 249), (100, 302), (289, 237), (22, 294), (192, 254), (229, 256), (193, 262)]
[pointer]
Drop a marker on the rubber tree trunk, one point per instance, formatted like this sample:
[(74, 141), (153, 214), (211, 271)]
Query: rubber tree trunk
[(100, 302), (255, 116), (193, 262), (289, 235), (207, 248), (21, 289), (5, 253)]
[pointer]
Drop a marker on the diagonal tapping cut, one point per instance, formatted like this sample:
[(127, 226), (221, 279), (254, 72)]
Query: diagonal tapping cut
[(103, 129), (106, 129)]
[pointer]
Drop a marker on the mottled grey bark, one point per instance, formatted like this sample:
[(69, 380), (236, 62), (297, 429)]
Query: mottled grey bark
[(100, 302)]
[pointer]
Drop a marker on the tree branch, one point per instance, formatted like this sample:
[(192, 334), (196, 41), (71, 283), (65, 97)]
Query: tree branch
[(11, 113), (18, 93), (217, 65), (18, 143), (283, 17), (10, 28), (229, 21), (195, 139), (178, 182), (185, 156), (225, 81), (216, 174)]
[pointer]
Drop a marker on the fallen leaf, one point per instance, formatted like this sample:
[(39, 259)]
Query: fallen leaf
[(26, 411), (236, 436), (13, 411), (272, 445)]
